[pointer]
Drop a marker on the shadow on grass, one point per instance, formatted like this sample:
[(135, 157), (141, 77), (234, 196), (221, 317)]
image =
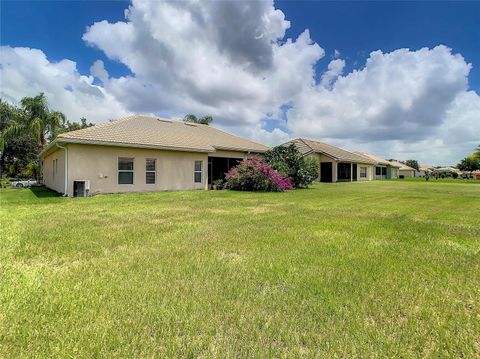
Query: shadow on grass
[(43, 192)]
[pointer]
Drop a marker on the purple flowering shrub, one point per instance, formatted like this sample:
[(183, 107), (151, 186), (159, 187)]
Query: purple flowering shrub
[(255, 175)]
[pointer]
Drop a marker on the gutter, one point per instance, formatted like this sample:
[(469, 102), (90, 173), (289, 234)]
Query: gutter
[(133, 145), (46, 149), (65, 194)]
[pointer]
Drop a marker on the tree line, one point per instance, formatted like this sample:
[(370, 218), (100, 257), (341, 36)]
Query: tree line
[(25, 129), (470, 163)]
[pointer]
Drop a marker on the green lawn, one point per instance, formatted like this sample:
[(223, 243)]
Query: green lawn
[(378, 269)]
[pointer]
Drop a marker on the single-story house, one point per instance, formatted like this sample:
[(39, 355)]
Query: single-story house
[(141, 153), (383, 168), (404, 171), (424, 170), (447, 171), (336, 164)]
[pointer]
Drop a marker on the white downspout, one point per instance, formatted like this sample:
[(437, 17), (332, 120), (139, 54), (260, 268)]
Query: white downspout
[(65, 194)]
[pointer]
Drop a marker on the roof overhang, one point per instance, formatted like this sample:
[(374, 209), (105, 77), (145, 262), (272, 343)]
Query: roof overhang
[(240, 149), (62, 140), (338, 159)]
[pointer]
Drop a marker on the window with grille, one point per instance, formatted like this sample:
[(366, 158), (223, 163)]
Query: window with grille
[(363, 172), (150, 171), (197, 172)]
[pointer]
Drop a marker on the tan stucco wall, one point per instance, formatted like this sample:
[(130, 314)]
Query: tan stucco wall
[(406, 173), (370, 172), (323, 158), (394, 172), (54, 178), (175, 170)]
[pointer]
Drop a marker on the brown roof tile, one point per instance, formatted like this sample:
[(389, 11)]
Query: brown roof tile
[(305, 146), (148, 131)]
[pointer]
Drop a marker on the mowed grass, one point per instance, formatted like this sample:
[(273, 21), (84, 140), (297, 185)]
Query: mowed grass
[(378, 269)]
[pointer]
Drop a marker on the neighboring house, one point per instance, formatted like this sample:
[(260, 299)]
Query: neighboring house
[(383, 168), (447, 171), (336, 164), (141, 153), (424, 170), (404, 171)]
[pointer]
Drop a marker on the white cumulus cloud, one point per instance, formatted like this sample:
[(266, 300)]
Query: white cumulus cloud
[(27, 72), (233, 61)]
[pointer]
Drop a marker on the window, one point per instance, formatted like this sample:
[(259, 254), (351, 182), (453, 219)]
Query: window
[(378, 171), (150, 170), (197, 172), (125, 170), (384, 171), (55, 168), (363, 172)]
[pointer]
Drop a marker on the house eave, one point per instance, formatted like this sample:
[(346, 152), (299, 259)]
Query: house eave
[(123, 144)]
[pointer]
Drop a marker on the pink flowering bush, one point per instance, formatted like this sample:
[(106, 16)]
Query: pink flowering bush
[(255, 175)]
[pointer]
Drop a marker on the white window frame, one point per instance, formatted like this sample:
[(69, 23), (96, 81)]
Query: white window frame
[(150, 171), (132, 170), (366, 172), (195, 171)]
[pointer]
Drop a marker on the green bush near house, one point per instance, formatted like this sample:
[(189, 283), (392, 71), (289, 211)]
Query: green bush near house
[(289, 161), (381, 269)]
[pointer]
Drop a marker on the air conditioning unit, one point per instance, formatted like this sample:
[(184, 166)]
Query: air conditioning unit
[(81, 188)]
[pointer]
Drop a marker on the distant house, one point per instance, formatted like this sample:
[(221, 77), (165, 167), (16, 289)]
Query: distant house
[(336, 164), (404, 171), (424, 170), (383, 168), (141, 153), (449, 171)]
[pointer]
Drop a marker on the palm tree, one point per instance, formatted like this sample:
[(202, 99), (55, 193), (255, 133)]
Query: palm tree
[(477, 152), (36, 119), (205, 120), (40, 121)]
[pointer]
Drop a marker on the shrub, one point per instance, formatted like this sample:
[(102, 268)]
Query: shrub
[(288, 160), (32, 170), (255, 175)]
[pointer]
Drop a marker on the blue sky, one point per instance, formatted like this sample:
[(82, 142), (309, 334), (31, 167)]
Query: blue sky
[(353, 28), (58, 30)]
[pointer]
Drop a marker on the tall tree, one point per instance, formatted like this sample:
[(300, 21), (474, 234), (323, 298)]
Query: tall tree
[(477, 152), (469, 164), (40, 121), (33, 124), (16, 151), (413, 164), (205, 120), (36, 119), (67, 126)]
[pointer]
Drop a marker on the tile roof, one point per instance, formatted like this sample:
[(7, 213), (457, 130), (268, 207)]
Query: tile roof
[(153, 132), (305, 146), (402, 166), (378, 160)]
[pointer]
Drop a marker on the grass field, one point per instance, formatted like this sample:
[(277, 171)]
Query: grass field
[(378, 269)]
